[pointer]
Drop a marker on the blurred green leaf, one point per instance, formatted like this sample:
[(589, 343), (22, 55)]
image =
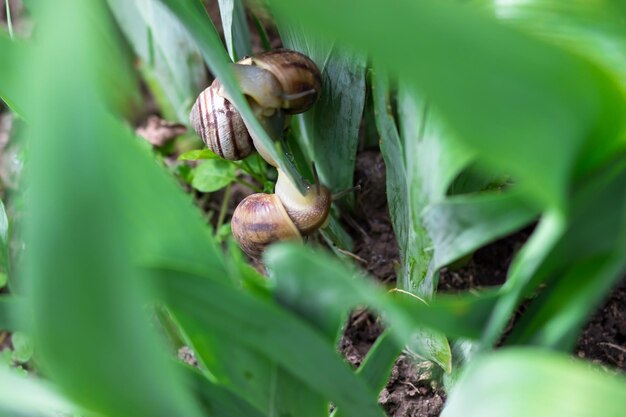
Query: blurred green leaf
[(264, 327), (235, 26), (461, 224), (338, 289), (218, 400), (195, 19), (3, 280), (213, 175), (531, 382), (85, 286), (167, 53), (197, 154), (329, 132), (26, 395), (542, 125)]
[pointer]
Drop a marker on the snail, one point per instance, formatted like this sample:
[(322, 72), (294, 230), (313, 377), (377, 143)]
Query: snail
[(276, 83), (261, 219)]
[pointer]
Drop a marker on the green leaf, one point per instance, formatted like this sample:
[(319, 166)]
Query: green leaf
[(262, 326), (22, 395), (218, 400), (532, 382), (197, 154), (337, 290), (195, 19), (542, 126), (235, 26), (87, 291), (459, 225), (167, 53), (329, 132), (213, 175)]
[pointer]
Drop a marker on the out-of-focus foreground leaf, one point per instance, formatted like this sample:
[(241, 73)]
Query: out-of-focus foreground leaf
[(264, 327), (490, 102), (195, 19), (96, 210), (169, 60), (531, 382), (329, 132), (24, 395), (595, 30), (235, 26)]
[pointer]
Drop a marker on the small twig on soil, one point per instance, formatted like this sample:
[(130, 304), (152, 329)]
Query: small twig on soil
[(614, 346), (352, 255)]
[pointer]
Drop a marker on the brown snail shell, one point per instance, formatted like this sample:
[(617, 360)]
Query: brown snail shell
[(299, 77), (308, 212), (220, 125), (259, 220)]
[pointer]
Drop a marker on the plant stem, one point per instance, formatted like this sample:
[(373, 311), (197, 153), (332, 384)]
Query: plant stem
[(225, 200), (249, 185)]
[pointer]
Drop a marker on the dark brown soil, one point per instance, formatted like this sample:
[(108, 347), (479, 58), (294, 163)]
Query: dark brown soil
[(409, 393)]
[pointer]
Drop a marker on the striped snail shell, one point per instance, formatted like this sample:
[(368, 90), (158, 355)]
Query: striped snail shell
[(220, 125), (262, 219)]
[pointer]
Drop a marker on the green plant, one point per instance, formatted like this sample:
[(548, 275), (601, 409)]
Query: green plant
[(112, 240)]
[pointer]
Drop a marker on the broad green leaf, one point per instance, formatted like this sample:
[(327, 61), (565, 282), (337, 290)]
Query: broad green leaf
[(329, 132), (27, 395), (595, 29), (193, 16), (338, 289), (218, 400), (168, 57), (85, 256), (542, 125), (264, 327), (213, 175), (241, 369), (532, 382), (235, 26), (197, 154), (461, 224)]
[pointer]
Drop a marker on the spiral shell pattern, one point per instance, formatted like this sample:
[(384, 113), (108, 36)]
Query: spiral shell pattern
[(297, 75), (220, 125)]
